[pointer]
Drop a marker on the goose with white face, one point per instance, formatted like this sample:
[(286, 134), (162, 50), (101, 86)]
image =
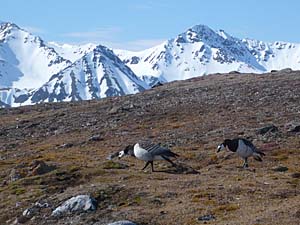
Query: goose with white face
[(243, 148), (121, 154), (220, 147), (148, 152)]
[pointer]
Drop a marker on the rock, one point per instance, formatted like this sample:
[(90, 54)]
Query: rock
[(158, 84), (21, 219), (280, 169), (122, 222), (292, 127), (96, 138), (267, 129), (112, 156), (66, 145), (39, 167), (207, 217), (297, 214), (15, 175), (234, 72), (114, 110), (296, 175), (80, 203), (32, 211), (295, 129)]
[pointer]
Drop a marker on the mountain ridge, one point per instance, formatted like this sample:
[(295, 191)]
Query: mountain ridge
[(200, 51), (28, 65), (117, 78)]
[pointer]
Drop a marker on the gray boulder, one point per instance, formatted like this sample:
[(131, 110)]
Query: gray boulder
[(267, 129), (122, 222), (78, 204)]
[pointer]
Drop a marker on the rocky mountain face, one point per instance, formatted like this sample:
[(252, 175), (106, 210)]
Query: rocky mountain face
[(98, 74), (201, 50), (26, 63), (25, 60), (32, 71)]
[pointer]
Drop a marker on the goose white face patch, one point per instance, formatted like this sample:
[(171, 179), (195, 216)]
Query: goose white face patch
[(121, 154), (220, 147)]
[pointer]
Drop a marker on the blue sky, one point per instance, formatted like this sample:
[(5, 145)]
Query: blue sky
[(138, 24)]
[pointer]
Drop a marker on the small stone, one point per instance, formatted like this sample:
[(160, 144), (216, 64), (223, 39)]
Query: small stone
[(39, 167), (15, 175), (112, 156), (296, 175), (32, 211), (122, 222), (207, 217), (158, 84), (66, 145), (296, 129), (267, 129), (292, 127), (21, 219), (114, 110), (96, 138), (280, 169)]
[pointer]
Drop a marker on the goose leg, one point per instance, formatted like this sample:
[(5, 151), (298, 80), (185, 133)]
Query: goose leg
[(151, 162), (148, 162), (169, 160), (245, 165)]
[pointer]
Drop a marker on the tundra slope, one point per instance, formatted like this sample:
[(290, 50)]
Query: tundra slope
[(191, 118)]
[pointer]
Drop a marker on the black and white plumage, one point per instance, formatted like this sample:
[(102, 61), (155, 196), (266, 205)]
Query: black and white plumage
[(243, 148), (148, 152)]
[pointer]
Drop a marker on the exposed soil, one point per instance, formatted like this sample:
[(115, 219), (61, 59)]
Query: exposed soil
[(73, 140)]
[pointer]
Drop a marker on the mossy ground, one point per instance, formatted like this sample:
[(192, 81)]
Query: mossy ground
[(191, 117)]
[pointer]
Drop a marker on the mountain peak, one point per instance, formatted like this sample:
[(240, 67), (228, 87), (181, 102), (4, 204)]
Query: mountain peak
[(102, 48), (8, 25), (197, 33), (95, 71), (224, 34), (200, 28)]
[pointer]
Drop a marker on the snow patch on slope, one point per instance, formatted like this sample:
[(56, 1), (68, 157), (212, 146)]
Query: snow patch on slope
[(97, 74), (25, 60), (72, 52), (201, 51)]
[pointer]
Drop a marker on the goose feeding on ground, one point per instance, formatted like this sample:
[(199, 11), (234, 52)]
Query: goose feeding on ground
[(148, 152), (243, 148)]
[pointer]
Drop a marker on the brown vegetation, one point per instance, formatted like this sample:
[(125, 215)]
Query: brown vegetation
[(191, 117)]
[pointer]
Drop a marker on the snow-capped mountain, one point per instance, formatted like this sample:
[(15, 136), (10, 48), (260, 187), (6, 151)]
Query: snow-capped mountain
[(200, 51), (25, 60), (32, 71), (72, 52), (98, 74), (275, 56)]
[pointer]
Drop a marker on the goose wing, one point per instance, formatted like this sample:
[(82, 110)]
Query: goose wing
[(249, 143), (156, 149)]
